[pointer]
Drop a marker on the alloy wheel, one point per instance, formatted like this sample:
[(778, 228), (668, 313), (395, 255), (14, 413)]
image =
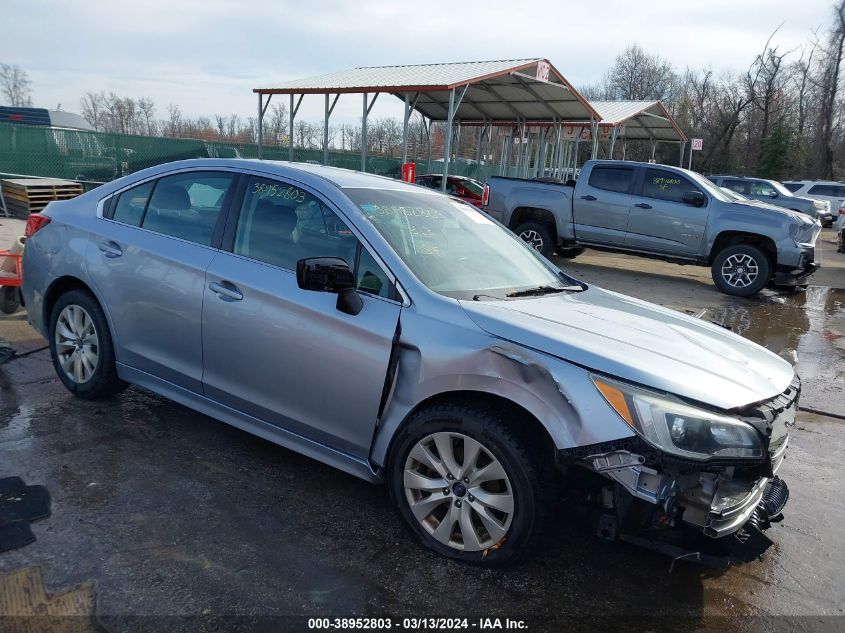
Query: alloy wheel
[(77, 345), (458, 491), (533, 239), (740, 270)]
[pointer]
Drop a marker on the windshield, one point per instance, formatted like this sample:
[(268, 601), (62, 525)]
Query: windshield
[(454, 249), (472, 185), (708, 186)]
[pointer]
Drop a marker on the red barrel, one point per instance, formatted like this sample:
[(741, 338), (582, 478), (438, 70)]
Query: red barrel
[(409, 172)]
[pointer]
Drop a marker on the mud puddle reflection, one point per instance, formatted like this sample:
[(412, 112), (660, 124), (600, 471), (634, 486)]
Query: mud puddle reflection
[(808, 329)]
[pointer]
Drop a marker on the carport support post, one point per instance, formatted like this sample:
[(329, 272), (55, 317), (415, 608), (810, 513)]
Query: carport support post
[(454, 104), (405, 127), (653, 148), (613, 133), (594, 132), (260, 122), (368, 105), (682, 145), (293, 110), (540, 160), (329, 110)]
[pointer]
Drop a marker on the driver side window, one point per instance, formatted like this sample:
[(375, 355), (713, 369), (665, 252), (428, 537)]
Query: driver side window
[(666, 185), (280, 224)]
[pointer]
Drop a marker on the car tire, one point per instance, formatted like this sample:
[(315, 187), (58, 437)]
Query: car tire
[(570, 253), (538, 236), (10, 299), (741, 270), (525, 496), (81, 347)]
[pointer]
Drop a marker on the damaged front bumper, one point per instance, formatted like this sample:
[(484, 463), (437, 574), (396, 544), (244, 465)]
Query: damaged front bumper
[(647, 495)]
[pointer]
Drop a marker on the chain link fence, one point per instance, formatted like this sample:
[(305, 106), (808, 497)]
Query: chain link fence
[(97, 157)]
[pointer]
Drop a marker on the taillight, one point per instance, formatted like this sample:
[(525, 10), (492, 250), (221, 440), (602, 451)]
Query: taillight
[(35, 223), (485, 196), (841, 210)]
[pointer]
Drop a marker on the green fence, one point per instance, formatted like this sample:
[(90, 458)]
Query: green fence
[(100, 157)]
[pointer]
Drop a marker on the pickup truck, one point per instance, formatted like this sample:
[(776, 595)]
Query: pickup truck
[(660, 212)]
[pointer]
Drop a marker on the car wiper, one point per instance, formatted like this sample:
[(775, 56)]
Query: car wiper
[(541, 290)]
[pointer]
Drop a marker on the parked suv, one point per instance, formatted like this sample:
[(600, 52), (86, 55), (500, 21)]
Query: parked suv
[(828, 191), (773, 192), (402, 335), (664, 212)]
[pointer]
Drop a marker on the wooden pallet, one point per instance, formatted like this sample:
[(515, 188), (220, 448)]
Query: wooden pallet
[(30, 195)]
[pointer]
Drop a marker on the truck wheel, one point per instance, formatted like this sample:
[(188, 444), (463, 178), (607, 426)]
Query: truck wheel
[(741, 270), (570, 253), (81, 347), (472, 483), (538, 236), (9, 299)]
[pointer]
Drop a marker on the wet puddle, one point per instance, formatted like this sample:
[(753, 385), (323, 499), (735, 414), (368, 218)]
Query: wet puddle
[(806, 328)]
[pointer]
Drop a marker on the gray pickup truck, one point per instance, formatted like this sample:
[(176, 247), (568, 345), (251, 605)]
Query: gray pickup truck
[(660, 212)]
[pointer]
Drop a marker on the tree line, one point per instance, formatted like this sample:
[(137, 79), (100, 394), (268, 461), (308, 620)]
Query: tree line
[(780, 117)]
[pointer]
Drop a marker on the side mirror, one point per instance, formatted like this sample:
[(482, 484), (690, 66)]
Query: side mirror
[(694, 198), (330, 274)]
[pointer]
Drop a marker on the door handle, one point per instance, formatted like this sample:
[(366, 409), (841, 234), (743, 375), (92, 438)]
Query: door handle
[(588, 197), (110, 249), (643, 205), (226, 291)]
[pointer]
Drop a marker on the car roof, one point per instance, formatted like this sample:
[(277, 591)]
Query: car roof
[(336, 176)]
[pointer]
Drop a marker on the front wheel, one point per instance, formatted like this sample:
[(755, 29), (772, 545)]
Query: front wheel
[(741, 270), (471, 484), (82, 348), (538, 236)]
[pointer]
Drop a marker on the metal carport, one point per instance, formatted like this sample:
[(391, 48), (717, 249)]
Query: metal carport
[(636, 121), (484, 93)]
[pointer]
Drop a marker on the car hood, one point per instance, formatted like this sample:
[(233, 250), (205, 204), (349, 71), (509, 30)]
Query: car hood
[(640, 342), (768, 207)]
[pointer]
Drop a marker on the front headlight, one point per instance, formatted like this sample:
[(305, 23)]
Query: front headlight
[(678, 428)]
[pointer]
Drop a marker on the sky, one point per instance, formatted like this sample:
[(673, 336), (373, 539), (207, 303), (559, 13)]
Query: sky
[(208, 55)]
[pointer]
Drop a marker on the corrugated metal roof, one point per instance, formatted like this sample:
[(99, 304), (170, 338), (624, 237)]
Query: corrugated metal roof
[(641, 120), (408, 76), (615, 112), (497, 90)]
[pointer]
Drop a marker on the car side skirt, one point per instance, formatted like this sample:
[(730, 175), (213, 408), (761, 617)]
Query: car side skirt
[(250, 424)]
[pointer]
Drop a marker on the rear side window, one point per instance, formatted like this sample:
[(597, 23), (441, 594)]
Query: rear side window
[(612, 178), (187, 205), (131, 204), (740, 186), (792, 186), (827, 190), (666, 185)]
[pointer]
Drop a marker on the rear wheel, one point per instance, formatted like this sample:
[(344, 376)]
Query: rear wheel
[(741, 270), (81, 347), (538, 236), (10, 299), (471, 483)]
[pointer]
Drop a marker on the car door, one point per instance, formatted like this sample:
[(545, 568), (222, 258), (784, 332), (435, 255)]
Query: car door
[(660, 221), (147, 258), (602, 205), (285, 355)]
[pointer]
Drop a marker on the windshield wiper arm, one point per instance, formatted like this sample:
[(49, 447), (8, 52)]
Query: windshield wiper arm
[(540, 290)]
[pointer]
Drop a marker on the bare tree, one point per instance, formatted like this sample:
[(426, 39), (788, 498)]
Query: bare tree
[(829, 89), (92, 109), (15, 86), (637, 75)]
